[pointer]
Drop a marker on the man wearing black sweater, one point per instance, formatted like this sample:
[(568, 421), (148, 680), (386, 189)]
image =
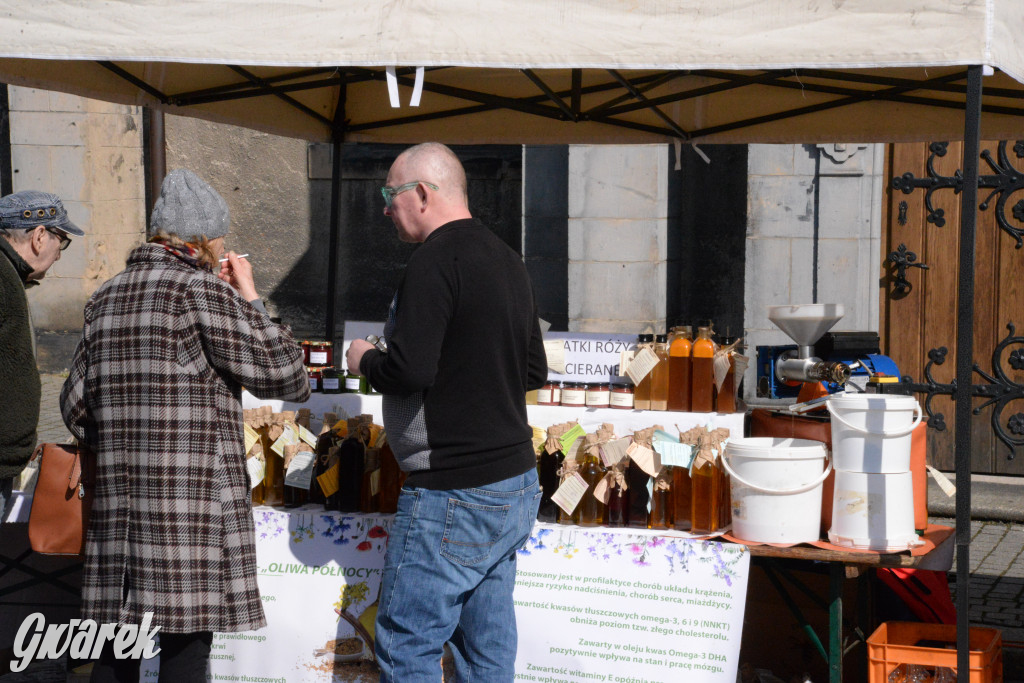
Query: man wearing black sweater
[(464, 346)]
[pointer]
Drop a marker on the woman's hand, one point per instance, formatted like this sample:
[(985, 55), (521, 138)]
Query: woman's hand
[(237, 272)]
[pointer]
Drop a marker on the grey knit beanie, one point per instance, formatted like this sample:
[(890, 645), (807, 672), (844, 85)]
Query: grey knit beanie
[(189, 207)]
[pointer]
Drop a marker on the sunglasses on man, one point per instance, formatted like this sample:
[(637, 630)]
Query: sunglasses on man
[(391, 192)]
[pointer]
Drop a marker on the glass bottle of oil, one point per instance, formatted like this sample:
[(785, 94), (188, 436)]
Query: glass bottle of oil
[(659, 375), (681, 498), (618, 502), (707, 497), (351, 454), (323, 444), (390, 474), (662, 504), (702, 374), (369, 490), (569, 466), (642, 392), (679, 370), (725, 399), (639, 498), (591, 511), (273, 480), (548, 466)]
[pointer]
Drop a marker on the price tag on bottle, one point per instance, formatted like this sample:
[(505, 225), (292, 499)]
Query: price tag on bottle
[(570, 492), (300, 470), (570, 437), (257, 467), (675, 454), (374, 482), (614, 451), (329, 481), (648, 460), (288, 438), (251, 437), (307, 436), (642, 364), (602, 491)]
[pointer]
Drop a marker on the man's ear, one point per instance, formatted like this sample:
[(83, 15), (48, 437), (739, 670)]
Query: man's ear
[(38, 240)]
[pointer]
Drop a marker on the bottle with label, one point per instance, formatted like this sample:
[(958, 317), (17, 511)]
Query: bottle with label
[(662, 503), (679, 370), (707, 497), (568, 468), (681, 498), (369, 490), (295, 496), (548, 464), (642, 392), (591, 511), (356, 383), (323, 445), (598, 394), (273, 480), (618, 498), (659, 375), (550, 394), (351, 462), (639, 498), (702, 373), (574, 394), (725, 398), (321, 353)]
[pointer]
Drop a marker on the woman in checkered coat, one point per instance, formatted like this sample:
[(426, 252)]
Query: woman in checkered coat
[(155, 390)]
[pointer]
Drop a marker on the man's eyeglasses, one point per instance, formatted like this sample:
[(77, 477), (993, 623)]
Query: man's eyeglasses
[(391, 192), (64, 239)]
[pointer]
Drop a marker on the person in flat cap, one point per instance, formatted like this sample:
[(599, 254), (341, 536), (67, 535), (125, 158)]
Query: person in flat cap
[(155, 390), (35, 229)]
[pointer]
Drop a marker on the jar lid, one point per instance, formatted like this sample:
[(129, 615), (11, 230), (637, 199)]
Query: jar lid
[(645, 338), (662, 339)]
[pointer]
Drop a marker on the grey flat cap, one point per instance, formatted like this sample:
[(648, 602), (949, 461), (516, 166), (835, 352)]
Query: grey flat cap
[(29, 208), (189, 207)]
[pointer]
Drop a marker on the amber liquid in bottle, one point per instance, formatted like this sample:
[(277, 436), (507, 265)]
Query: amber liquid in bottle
[(568, 517), (257, 491), (679, 372), (591, 511), (369, 490), (706, 499), (681, 498), (702, 373), (659, 375), (273, 480), (642, 391), (725, 399), (617, 506)]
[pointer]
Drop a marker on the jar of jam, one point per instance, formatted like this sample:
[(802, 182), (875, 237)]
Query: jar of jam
[(574, 394), (621, 396), (305, 351), (321, 353), (550, 394), (315, 379), (356, 384), (597, 395), (330, 380)]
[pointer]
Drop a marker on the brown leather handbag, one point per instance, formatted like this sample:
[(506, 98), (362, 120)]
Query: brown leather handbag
[(62, 499)]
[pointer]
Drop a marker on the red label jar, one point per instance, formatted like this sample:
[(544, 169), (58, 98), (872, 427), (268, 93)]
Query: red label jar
[(574, 395), (621, 396), (597, 395), (321, 353), (549, 395), (315, 379)]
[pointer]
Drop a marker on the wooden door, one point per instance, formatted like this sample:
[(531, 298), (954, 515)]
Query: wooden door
[(920, 319)]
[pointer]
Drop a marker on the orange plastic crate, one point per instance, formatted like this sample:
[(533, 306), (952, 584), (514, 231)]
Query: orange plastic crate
[(896, 642)]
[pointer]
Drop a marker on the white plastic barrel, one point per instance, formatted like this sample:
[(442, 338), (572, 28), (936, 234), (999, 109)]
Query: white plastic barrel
[(872, 432), (873, 511), (776, 488)]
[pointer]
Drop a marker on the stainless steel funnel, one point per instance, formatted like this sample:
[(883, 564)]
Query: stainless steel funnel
[(805, 324)]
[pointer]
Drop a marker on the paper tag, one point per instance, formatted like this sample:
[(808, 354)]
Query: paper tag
[(569, 493), (574, 449), (555, 352), (625, 358), (329, 481), (570, 437), (374, 482), (675, 454), (382, 439), (288, 438), (601, 491), (614, 451), (257, 467), (642, 364), (251, 437), (307, 436), (721, 368), (943, 481), (300, 470), (648, 460)]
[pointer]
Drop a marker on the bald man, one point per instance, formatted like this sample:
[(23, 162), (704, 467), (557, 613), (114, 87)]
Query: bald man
[(464, 347)]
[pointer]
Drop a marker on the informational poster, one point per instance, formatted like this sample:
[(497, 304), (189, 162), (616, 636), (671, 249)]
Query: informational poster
[(319, 578), (590, 357), (628, 605)]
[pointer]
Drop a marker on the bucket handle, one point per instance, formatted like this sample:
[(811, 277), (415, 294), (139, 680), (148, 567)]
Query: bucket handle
[(802, 489), (902, 432)]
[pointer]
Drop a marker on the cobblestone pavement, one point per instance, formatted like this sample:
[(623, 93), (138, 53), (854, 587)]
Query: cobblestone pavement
[(996, 555)]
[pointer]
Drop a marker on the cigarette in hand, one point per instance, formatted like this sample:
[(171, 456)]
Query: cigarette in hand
[(239, 256)]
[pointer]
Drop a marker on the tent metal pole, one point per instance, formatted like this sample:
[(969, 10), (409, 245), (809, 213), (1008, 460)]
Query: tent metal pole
[(964, 363), (337, 134)]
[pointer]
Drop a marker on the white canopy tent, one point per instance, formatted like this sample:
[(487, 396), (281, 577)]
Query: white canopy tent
[(561, 71)]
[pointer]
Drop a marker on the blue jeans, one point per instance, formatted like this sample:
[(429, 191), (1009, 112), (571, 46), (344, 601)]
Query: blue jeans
[(448, 576)]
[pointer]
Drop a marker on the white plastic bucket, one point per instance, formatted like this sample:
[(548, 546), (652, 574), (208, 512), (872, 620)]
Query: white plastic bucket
[(871, 432), (873, 511), (776, 488)]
